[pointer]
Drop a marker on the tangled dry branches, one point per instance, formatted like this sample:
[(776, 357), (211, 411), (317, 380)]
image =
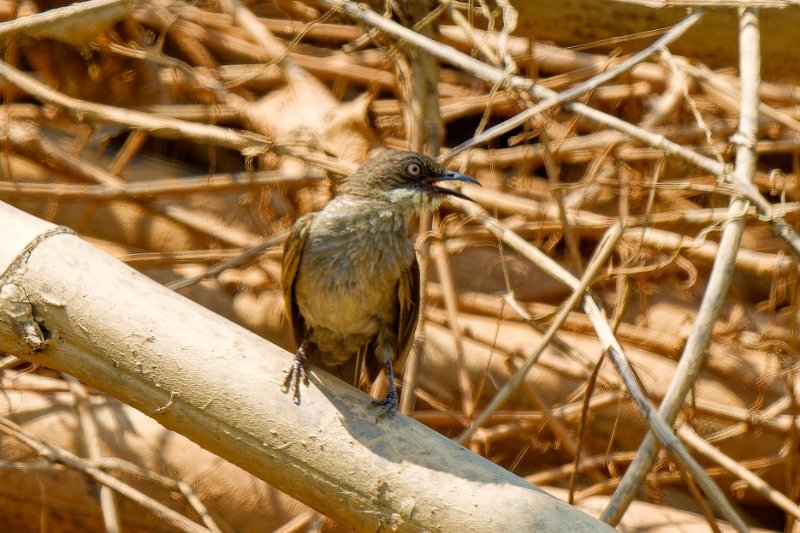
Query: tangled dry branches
[(185, 138)]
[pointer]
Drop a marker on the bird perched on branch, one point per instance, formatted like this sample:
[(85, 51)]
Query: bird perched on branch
[(350, 274)]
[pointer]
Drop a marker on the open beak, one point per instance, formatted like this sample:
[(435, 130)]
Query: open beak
[(451, 175)]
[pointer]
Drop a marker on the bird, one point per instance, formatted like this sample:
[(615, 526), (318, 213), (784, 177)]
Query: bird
[(350, 278)]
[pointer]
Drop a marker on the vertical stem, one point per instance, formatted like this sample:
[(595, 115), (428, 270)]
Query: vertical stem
[(424, 128), (442, 262), (721, 274)]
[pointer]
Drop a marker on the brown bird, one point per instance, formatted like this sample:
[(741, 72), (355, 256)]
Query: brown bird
[(350, 273)]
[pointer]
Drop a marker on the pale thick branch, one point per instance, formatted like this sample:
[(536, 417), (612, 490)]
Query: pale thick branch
[(66, 305)]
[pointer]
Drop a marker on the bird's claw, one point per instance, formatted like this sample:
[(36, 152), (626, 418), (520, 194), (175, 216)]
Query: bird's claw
[(295, 373), (388, 405)]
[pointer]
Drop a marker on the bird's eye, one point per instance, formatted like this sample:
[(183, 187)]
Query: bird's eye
[(413, 169)]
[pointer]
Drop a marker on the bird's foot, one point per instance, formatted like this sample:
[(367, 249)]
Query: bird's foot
[(296, 372), (388, 405)]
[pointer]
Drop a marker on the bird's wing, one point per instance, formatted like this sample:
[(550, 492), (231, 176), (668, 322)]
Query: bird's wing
[(408, 310), (405, 325), (292, 252)]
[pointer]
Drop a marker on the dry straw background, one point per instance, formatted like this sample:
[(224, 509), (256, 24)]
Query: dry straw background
[(184, 138)]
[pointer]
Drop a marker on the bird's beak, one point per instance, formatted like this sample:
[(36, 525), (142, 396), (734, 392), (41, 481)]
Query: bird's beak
[(451, 175)]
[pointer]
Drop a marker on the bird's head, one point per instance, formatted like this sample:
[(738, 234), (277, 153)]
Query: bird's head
[(404, 177)]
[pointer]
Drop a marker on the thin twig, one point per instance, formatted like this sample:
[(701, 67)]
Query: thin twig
[(115, 463), (246, 255), (439, 255), (578, 293), (495, 75), (58, 455), (577, 90), (557, 427), (697, 496), (759, 485), (91, 438)]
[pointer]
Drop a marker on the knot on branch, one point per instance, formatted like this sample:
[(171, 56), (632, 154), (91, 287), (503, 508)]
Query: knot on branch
[(27, 332)]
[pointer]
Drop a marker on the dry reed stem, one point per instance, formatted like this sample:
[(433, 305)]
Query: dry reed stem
[(697, 247), (161, 259), (298, 523), (157, 126), (559, 430), (27, 140), (768, 419), (554, 179), (438, 316), (91, 441), (160, 188), (248, 254), (8, 362), (553, 475), (130, 148), (248, 143), (494, 75), (267, 43), (76, 24), (662, 478), (719, 279), (416, 81), (707, 450), (578, 287), (57, 455), (725, 90), (697, 496), (440, 258), (115, 463), (565, 347), (660, 429), (513, 423), (549, 57), (770, 413), (410, 391), (577, 90)]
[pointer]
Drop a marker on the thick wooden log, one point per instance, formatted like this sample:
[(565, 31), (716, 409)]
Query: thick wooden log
[(66, 305)]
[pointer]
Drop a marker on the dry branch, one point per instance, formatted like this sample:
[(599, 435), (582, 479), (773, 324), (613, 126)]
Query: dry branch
[(68, 306), (720, 278), (498, 76), (108, 482)]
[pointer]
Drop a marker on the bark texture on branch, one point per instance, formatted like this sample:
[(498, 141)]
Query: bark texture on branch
[(66, 305)]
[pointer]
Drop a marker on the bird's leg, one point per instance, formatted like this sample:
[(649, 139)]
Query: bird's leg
[(389, 404), (297, 371)]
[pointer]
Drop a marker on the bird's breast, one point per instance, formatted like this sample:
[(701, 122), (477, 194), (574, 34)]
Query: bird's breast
[(346, 284)]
